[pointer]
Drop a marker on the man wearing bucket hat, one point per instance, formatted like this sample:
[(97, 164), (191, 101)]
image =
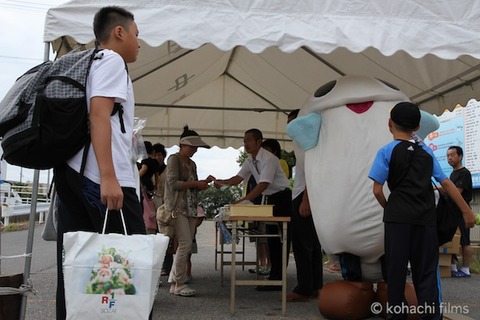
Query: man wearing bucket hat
[(181, 187)]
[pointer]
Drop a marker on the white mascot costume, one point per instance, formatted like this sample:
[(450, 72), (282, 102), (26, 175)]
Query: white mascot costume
[(341, 129)]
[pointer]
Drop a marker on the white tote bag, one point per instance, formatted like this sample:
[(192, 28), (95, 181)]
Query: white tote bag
[(111, 276)]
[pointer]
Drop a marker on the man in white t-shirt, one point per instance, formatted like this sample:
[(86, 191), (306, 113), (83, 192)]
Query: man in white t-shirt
[(271, 183), (107, 181)]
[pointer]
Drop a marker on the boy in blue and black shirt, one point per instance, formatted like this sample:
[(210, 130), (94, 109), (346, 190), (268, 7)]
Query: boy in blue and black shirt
[(409, 215)]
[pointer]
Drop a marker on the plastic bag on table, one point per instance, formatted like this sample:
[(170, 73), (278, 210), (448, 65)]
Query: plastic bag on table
[(226, 235)]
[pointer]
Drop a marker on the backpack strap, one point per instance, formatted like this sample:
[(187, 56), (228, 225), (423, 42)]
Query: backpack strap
[(96, 54), (117, 107)]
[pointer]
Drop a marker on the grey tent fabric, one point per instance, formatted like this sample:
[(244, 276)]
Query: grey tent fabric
[(224, 66)]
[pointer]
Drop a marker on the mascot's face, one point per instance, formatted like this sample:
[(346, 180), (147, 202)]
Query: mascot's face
[(341, 129)]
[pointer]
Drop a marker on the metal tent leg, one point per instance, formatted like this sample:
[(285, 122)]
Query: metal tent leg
[(31, 232)]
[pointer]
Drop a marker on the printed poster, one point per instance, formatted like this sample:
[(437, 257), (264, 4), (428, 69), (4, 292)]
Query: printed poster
[(460, 127)]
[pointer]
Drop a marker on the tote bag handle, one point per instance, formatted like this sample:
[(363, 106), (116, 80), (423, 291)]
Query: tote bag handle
[(123, 222)]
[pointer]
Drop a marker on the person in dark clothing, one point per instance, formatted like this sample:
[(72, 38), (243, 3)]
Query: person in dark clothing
[(409, 213), (462, 178), (306, 246), (148, 167)]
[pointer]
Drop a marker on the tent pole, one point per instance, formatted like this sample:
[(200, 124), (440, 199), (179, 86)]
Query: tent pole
[(176, 106), (29, 250), (31, 221)]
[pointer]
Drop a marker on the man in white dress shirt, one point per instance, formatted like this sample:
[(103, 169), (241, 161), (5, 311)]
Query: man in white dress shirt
[(273, 185)]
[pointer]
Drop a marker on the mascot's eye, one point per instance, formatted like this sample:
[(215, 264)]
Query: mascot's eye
[(326, 88), (388, 84)]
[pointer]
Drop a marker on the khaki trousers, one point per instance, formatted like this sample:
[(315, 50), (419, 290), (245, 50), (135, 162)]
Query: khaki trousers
[(184, 232)]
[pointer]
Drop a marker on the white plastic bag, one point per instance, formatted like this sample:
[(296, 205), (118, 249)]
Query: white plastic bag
[(111, 276)]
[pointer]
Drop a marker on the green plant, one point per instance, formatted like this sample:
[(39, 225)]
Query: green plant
[(211, 199), (475, 266), (16, 226)]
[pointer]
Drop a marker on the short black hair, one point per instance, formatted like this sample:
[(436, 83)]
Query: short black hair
[(257, 134), (148, 147), (160, 148), (293, 114), (273, 145), (458, 149), (107, 18)]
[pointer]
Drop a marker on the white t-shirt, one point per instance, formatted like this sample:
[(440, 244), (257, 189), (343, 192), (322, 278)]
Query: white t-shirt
[(299, 182), (266, 168), (109, 78)]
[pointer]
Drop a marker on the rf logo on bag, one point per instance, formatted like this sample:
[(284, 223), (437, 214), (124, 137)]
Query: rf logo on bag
[(110, 302)]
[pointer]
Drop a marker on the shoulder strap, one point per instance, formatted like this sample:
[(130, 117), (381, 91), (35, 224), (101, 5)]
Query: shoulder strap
[(434, 185), (95, 56), (177, 193)]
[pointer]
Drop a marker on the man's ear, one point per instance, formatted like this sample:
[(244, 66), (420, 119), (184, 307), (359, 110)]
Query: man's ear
[(118, 32)]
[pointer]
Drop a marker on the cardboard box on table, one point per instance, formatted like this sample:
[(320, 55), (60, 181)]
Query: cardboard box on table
[(241, 210)]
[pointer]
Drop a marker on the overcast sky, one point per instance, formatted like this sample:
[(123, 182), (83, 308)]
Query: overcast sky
[(23, 47)]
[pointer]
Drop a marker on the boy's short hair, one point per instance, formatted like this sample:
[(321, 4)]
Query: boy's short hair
[(406, 115), (108, 18)]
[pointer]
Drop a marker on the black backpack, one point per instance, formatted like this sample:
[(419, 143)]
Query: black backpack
[(44, 116), (446, 219)]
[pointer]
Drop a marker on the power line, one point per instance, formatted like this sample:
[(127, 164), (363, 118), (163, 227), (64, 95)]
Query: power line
[(22, 7), (19, 58), (27, 5)]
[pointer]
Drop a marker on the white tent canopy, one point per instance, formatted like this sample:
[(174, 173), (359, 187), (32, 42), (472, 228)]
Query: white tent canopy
[(215, 63)]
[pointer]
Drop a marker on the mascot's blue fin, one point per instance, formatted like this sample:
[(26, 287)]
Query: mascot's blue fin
[(305, 130), (428, 124)]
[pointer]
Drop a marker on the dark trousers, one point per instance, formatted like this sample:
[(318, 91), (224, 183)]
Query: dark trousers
[(419, 245), (307, 252), (80, 209), (282, 206)]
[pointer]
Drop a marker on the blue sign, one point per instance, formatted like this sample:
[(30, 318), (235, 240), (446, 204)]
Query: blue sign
[(460, 127)]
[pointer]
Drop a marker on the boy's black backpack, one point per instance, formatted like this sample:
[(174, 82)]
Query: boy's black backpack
[(44, 116), (446, 219)]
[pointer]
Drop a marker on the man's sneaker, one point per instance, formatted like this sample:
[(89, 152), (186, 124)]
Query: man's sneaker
[(460, 274)]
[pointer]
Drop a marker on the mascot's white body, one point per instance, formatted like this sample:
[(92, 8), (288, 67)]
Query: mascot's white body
[(347, 217)]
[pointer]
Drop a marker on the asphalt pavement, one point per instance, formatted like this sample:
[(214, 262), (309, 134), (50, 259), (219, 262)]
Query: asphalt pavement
[(460, 296)]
